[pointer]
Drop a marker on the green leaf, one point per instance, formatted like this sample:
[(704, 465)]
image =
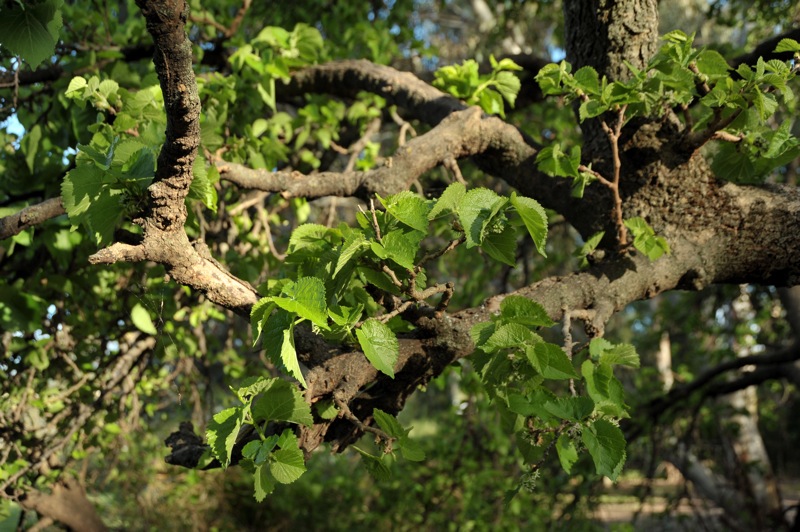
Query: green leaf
[(379, 344), (448, 201), (376, 466), (222, 432), (264, 483), (606, 444), (409, 208), (787, 45), (519, 309), (491, 102), (567, 453), (588, 248), (604, 389), (607, 353), (30, 145), (588, 80), (712, 64), (571, 408), (501, 246), (259, 314), (508, 85), (535, 219), (289, 355), (645, 239), (281, 401), (141, 319), (31, 29), (306, 298), (510, 335), (287, 463), (550, 361), (351, 251), (475, 210), (399, 247), (555, 162)]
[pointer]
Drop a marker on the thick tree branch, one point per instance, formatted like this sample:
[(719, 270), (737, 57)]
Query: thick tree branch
[(165, 240), (461, 134), (30, 216)]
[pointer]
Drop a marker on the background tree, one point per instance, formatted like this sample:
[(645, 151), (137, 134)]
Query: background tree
[(183, 181)]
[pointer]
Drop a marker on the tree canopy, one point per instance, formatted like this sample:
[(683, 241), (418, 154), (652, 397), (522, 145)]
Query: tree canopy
[(412, 262)]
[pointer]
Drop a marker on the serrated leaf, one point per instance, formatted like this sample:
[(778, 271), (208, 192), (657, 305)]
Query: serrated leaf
[(350, 253), (408, 208), (306, 298), (787, 45), (604, 389), (475, 210), (508, 85), (76, 86), (31, 30), (289, 355), (550, 361), (259, 314), (379, 344), (588, 80), (281, 401), (287, 463), (491, 102), (606, 444), (222, 432), (141, 319), (449, 200), (264, 484), (535, 219), (567, 453), (712, 64), (376, 466), (501, 246), (571, 408), (510, 335), (553, 161), (607, 353), (481, 332), (519, 309), (399, 247)]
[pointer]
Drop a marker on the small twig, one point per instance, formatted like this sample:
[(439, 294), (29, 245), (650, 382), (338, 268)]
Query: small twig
[(345, 412), (388, 271), (375, 224), (405, 127), (452, 165), (435, 255)]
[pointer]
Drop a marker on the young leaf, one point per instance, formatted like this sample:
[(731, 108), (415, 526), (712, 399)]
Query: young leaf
[(475, 211), (408, 208), (501, 246), (289, 355), (787, 45), (222, 432), (306, 298), (550, 361), (448, 201), (571, 408), (379, 344), (287, 463), (263, 481), (519, 309), (606, 444), (510, 335), (567, 453), (535, 219), (376, 466), (281, 401)]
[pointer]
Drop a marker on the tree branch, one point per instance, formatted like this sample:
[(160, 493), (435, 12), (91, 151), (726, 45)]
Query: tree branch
[(29, 216)]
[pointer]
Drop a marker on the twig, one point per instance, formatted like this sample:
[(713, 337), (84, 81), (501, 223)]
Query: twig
[(345, 412)]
